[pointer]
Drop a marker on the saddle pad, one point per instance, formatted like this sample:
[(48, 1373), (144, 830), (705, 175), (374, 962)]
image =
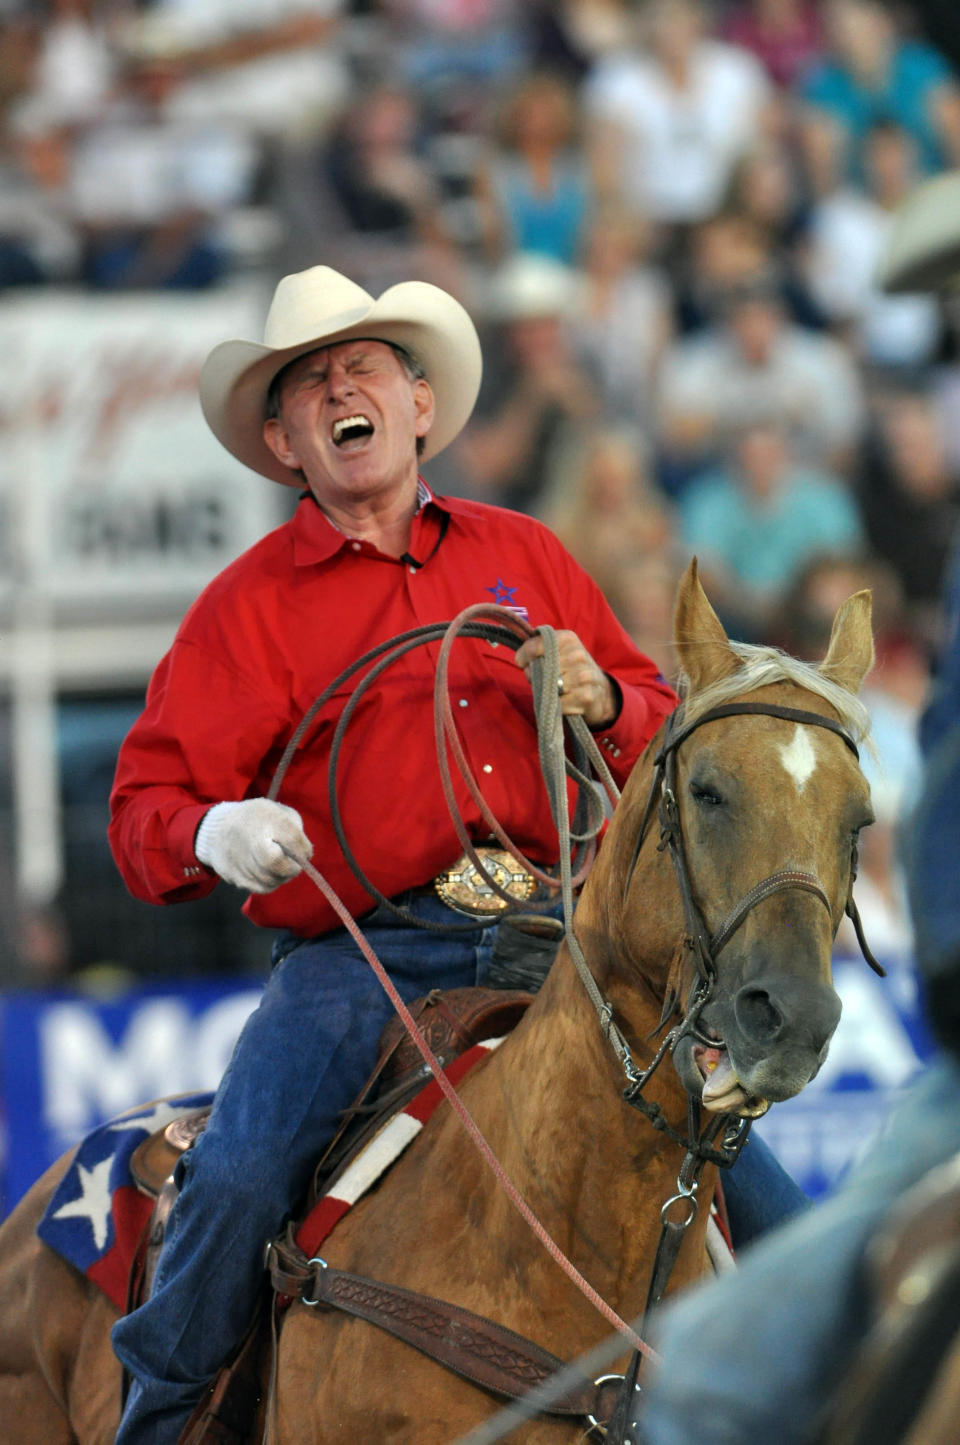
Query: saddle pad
[(383, 1149), (97, 1215)]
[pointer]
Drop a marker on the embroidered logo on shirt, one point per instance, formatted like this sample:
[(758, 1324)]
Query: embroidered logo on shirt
[(503, 596)]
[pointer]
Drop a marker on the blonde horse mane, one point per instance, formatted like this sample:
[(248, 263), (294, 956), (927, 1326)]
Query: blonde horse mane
[(762, 666)]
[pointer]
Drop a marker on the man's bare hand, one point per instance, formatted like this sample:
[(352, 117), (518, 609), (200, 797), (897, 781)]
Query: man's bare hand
[(587, 690)]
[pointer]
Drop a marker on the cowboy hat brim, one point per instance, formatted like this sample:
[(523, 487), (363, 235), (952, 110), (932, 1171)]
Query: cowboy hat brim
[(923, 249), (423, 320)]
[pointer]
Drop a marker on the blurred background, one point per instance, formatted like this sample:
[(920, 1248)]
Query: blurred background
[(664, 216)]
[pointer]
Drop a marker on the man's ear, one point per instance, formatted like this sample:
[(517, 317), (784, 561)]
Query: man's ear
[(276, 437), (424, 407)]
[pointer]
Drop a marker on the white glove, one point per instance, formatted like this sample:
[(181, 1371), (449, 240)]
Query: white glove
[(240, 842)]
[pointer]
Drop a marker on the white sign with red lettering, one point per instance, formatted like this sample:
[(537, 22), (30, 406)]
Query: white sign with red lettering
[(112, 488)]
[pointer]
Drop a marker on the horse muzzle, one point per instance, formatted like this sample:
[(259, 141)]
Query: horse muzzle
[(762, 1045)]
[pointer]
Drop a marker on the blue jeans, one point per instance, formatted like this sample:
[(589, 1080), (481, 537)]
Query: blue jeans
[(301, 1059), (759, 1193)]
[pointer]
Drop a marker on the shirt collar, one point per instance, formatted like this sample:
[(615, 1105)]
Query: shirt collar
[(317, 539)]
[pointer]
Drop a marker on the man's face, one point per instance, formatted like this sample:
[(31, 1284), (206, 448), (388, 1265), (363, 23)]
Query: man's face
[(349, 420)]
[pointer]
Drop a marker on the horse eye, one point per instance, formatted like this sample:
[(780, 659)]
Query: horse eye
[(705, 795)]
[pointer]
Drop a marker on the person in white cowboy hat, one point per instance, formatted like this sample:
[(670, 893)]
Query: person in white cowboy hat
[(338, 401)]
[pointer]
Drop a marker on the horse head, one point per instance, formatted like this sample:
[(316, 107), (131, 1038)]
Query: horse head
[(760, 800)]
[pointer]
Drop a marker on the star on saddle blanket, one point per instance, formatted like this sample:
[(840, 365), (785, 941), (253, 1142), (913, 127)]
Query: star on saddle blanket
[(97, 1215)]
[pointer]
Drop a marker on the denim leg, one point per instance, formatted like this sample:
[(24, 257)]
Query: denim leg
[(759, 1193), (301, 1059)]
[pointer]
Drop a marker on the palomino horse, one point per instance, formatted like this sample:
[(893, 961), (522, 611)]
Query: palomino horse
[(769, 808)]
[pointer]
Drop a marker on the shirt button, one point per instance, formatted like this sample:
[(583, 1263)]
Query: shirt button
[(616, 752), (355, 546), (463, 702), (412, 571), (488, 768)]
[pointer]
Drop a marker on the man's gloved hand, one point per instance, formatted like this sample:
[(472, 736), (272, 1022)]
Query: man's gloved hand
[(240, 842)]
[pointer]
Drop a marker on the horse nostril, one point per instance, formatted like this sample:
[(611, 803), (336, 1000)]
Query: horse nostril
[(757, 1014)]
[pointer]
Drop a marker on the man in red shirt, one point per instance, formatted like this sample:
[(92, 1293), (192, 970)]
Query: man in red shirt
[(340, 401)]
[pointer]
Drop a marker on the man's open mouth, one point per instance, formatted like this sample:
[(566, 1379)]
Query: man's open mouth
[(723, 1092), (348, 429)]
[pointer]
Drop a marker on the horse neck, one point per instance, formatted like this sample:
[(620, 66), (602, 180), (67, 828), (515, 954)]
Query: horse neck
[(593, 1169)]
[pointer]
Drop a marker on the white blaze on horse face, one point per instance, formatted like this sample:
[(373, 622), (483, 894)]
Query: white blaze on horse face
[(799, 756)]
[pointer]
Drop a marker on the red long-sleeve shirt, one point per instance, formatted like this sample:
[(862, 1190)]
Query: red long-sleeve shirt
[(275, 627)]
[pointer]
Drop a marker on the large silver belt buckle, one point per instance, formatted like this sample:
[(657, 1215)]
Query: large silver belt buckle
[(462, 887)]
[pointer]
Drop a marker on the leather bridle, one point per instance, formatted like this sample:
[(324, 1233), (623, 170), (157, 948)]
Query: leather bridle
[(704, 947), (663, 791)]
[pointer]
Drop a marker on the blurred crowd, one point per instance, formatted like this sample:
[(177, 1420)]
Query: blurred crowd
[(665, 215)]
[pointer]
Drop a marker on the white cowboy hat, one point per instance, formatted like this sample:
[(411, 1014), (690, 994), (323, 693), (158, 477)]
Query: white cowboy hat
[(923, 249), (317, 308)]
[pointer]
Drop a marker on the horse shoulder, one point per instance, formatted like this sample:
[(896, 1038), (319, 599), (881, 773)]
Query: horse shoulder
[(425, 1228)]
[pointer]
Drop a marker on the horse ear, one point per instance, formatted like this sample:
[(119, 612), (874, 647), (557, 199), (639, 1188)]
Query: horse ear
[(850, 654), (703, 649)]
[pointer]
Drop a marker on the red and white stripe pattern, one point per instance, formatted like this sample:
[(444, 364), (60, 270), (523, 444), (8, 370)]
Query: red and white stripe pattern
[(384, 1148)]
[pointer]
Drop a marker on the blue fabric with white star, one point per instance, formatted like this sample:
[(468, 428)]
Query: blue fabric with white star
[(79, 1221)]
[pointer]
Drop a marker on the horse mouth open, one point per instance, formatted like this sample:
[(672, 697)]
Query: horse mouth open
[(708, 1072)]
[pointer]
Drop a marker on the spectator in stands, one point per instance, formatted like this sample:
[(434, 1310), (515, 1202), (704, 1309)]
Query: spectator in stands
[(642, 594), (848, 230), (755, 364), (768, 192), (148, 192), (534, 191), (623, 313), (376, 176), (76, 63), (785, 35), (672, 117), (909, 494), (268, 69), (721, 254), (445, 43), (756, 521), (533, 403), (611, 513), (571, 36), (38, 242), (767, 189), (872, 73), (365, 192)]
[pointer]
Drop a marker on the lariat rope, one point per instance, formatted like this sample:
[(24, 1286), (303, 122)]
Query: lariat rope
[(548, 710)]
